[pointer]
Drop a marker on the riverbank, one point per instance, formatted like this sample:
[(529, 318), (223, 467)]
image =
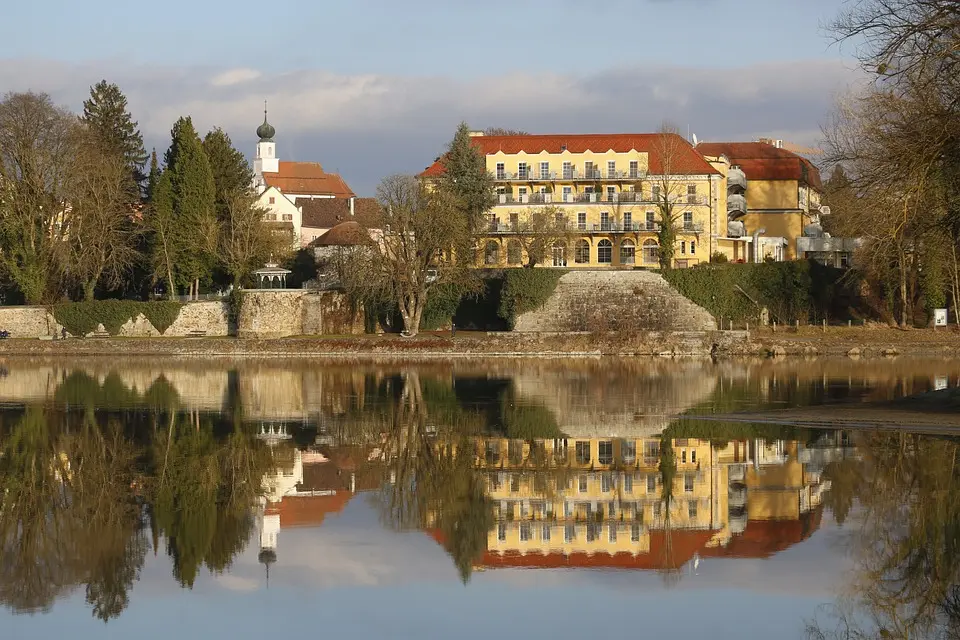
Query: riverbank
[(856, 342)]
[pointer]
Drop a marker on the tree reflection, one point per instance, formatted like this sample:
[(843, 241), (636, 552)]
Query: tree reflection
[(907, 545), (79, 491)]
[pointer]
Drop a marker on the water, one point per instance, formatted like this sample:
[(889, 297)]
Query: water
[(501, 499)]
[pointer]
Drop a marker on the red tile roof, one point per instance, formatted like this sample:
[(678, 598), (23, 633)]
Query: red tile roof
[(685, 160), (765, 538), (345, 234), (307, 511), (307, 178), (763, 161), (326, 213)]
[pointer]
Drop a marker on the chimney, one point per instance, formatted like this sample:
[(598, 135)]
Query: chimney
[(778, 144), (352, 198)]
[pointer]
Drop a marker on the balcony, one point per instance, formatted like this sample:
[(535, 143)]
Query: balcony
[(736, 204), (692, 227), (573, 174), (737, 178), (571, 198), (737, 498)]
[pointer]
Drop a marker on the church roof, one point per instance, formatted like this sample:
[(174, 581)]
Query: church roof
[(345, 234), (307, 178)]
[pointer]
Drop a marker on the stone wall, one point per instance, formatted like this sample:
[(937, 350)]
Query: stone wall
[(621, 301), (271, 314), (28, 322)]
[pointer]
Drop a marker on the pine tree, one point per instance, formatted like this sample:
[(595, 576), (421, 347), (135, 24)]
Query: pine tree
[(105, 113), (232, 175), (153, 176), (194, 204), (466, 177)]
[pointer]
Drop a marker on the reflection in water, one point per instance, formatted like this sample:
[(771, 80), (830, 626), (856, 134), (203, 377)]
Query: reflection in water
[(557, 466)]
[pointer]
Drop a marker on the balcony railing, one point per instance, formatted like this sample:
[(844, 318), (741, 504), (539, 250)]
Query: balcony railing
[(692, 227), (572, 174), (629, 197)]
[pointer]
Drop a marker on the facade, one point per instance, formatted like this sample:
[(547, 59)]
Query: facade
[(600, 193), (773, 203), (281, 186)]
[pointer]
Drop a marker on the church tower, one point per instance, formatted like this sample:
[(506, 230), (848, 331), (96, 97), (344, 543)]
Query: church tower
[(266, 160)]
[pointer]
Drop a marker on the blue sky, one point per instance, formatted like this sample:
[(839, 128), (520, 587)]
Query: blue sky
[(372, 87)]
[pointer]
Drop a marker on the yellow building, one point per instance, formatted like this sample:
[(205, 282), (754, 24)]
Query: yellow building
[(772, 193), (599, 195)]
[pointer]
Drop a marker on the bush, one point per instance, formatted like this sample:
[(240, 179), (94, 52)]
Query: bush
[(442, 303), (526, 290), (81, 318), (791, 291)]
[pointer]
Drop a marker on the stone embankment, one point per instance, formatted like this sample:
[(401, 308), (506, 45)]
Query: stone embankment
[(621, 301)]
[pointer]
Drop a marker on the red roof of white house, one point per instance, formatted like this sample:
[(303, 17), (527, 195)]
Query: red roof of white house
[(307, 178)]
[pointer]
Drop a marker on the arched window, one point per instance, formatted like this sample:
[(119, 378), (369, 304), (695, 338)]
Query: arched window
[(514, 253), (651, 252), (628, 252), (581, 253), (491, 253), (604, 252)]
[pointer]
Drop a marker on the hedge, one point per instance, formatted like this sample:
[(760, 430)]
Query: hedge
[(790, 291), (526, 290), (81, 318)]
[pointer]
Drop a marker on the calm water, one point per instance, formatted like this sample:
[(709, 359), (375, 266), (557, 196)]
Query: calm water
[(538, 499)]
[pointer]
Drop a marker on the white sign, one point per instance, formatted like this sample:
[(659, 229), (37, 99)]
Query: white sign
[(939, 317)]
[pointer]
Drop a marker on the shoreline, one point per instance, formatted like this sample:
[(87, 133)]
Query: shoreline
[(854, 342)]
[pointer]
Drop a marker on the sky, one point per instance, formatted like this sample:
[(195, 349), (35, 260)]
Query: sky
[(352, 578), (375, 87)]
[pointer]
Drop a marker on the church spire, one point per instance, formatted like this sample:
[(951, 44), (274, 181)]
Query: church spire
[(266, 130)]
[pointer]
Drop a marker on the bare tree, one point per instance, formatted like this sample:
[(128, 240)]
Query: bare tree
[(539, 232), (247, 239), (37, 143), (412, 251), (500, 131), (668, 189), (100, 232)]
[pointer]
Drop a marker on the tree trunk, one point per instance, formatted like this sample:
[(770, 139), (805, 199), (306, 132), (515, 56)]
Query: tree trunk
[(88, 288), (955, 282), (903, 289)]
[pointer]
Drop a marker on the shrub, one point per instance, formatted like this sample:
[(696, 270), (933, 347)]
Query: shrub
[(442, 303), (81, 318), (526, 290), (234, 304)]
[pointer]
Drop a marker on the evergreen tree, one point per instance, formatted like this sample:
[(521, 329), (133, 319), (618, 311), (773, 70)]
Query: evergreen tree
[(194, 204), (153, 176), (466, 177), (105, 113), (232, 175)]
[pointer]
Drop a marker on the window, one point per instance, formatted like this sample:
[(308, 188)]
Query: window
[(567, 172), (693, 453), (611, 194), (544, 170), (545, 533), (569, 533), (683, 247), (612, 536), (688, 220), (611, 168), (691, 193), (638, 512), (522, 194), (515, 452), (657, 510), (582, 220), (560, 218), (273, 200), (604, 252), (502, 532), (651, 483), (581, 252), (628, 483), (606, 452), (524, 509), (628, 451), (683, 456), (693, 247), (522, 171), (628, 252), (514, 221), (606, 483), (514, 252), (270, 216), (567, 194), (288, 217), (651, 220), (651, 252), (692, 509), (604, 221), (593, 532), (651, 451), (655, 192), (491, 253), (583, 452), (582, 484), (525, 532), (515, 483), (688, 482), (567, 509), (588, 170), (634, 169), (627, 221), (501, 173), (501, 191), (611, 510), (635, 533)]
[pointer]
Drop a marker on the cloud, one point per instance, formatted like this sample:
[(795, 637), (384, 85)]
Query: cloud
[(369, 125)]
